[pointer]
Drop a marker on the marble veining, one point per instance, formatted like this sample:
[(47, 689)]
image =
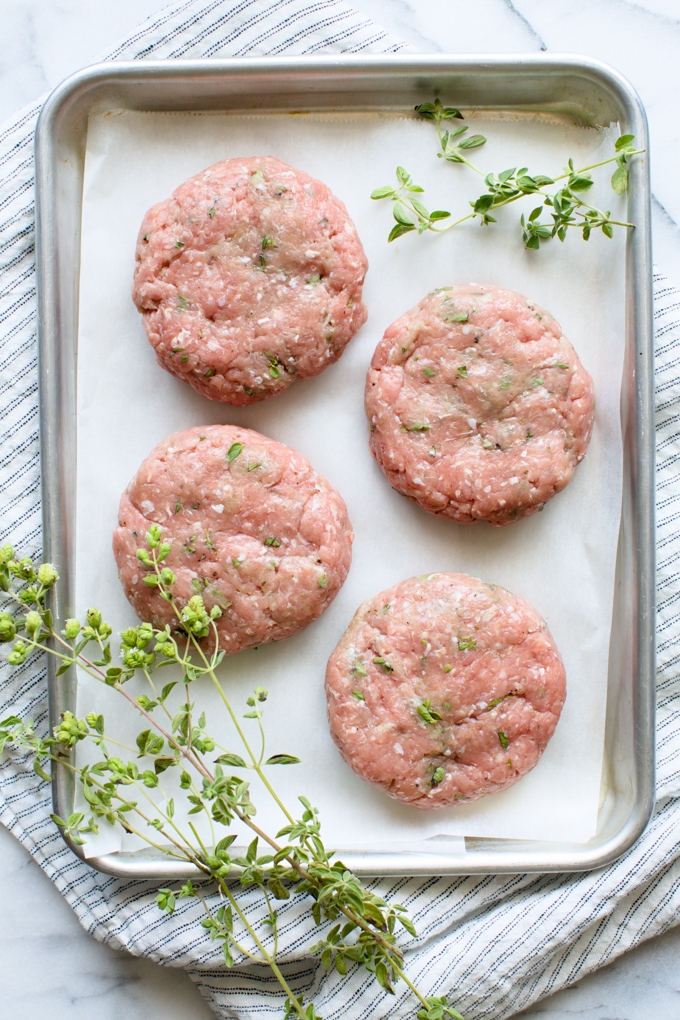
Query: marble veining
[(48, 964), (511, 7)]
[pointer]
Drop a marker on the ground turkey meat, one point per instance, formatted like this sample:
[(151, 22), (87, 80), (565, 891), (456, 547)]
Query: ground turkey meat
[(254, 530), (248, 278), (444, 689), (478, 405)]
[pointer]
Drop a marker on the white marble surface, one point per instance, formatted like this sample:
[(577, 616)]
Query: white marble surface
[(48, 965)]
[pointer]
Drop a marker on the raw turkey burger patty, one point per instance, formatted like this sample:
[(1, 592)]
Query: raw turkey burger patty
[(479, 406), (254, 530), (248, 278), (444, 689)]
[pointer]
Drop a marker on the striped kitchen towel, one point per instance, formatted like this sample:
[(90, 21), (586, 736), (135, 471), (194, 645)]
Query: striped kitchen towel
[(494, 944)]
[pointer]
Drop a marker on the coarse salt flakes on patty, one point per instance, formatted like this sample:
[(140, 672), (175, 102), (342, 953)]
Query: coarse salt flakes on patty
[(444, 689), (254, 530), (478, 405), (249, 278)]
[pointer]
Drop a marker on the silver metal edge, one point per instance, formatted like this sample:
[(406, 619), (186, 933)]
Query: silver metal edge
[(56, 383), (54, 364)]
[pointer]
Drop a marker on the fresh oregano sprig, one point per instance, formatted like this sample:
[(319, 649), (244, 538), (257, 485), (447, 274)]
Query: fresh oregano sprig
[(123, 787), (567, 205)]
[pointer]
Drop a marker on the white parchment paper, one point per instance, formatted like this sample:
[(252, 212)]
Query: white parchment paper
[(562, 560)]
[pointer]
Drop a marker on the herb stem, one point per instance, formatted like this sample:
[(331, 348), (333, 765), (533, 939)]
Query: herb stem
[(334, 891), (302, 871), (227, 934), (440, 226), (198, 765), (256, 764), (594, 166), (163, 849), (61, 760), (268, 958), (407, 981), (111, 740), (615, 223), (308, 877), (471, 165), (137, 810), (200, 841), (155, 691), (459, 155)]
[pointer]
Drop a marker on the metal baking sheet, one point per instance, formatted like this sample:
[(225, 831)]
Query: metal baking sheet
[(569, 86)]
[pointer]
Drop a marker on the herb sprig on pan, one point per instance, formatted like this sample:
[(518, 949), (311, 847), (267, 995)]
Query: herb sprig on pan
[(123, 787), (567, 206)]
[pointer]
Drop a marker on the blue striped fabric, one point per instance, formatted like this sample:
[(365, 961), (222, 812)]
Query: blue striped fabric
[(495, 944)]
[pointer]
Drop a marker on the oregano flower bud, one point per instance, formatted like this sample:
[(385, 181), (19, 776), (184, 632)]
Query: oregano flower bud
[(33, 622), (70, 730), (71, 629), (8, 627), (47, 575), (153, 536), (18, 654), (94, 618)]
